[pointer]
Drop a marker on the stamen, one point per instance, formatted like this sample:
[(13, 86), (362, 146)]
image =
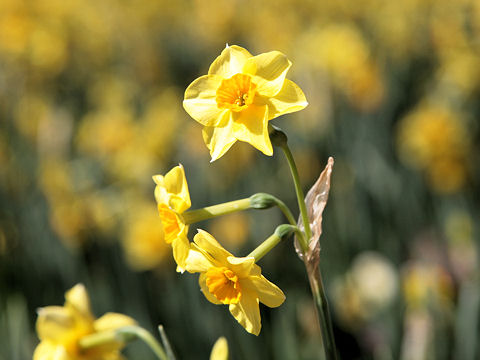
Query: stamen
[(236, 93)]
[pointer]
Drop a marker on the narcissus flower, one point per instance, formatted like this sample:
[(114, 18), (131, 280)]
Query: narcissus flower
[(239, 96), (173, 199), (61, 328), (236, 282)]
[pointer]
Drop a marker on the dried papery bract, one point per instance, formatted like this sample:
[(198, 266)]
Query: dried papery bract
[(316, 200)]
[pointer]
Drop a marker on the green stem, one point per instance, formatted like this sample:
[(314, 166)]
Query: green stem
[(300, 197), (280, 232), (122, 335), (256, 201), (265, 201), (279, 138), (166, 343), (140, 333), (286, 211), (210, 212), (323, 311)]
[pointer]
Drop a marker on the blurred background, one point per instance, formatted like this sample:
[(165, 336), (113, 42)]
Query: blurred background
[(91, 107)]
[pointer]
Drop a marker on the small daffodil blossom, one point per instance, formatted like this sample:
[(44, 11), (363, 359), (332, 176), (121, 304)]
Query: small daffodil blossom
[(61, 328), (239, 96), (173, 198), (233, 281), (220, 349)]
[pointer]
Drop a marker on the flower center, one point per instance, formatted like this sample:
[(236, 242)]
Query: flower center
[(224, 284), (236, 93), (170, 221)]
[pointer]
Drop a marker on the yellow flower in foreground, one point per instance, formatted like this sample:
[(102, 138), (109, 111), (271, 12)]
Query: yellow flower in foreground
[(220, 350), (173, 199), (60, 329), (238, 97), (236, 282)]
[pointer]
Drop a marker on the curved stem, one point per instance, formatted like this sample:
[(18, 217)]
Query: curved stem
[(122, 335), (145, 336), (280, 232), (286, 211), (256, 201), (300, 197), (210, 212)]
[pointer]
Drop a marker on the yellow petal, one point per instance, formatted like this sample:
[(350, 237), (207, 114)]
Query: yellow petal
[(209, 246), (251, 125), (49, 351), (230, 61), (181, 247), (290, 99), (220, 350), (219, 139), (176, 185), (247, 313), (55, 323), (112, 321), (200, 100), (269, 70), (77, 298), (161, 194), (202, 281), (241, 266), (268, 293), (196, 260)]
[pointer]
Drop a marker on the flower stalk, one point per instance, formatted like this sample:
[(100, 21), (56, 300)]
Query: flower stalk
[(122, 335), (256, 201), (279, 138), (280, 232), (323, 312), (210, 212)]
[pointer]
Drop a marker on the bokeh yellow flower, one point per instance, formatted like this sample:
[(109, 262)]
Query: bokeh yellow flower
[(143, 240), (239, 96), (61, 328), (173, 199), (220, 349), (435, 139), (229, 280)]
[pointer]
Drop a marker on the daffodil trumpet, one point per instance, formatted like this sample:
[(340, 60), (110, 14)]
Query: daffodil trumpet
[(256, 201), (121, 335), (280, 232), (233, 281)]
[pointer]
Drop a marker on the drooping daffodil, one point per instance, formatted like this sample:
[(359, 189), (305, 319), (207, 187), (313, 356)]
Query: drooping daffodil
[(60, 329), (173, 198), (239, 96), (233, 281)]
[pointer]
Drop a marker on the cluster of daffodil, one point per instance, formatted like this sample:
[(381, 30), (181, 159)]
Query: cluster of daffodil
[(71, 332), (234, 102)]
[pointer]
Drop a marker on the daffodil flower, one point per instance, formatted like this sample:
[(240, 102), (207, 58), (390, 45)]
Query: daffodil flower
[(233, 281), (173, 199), (239, 96), (61, 328)]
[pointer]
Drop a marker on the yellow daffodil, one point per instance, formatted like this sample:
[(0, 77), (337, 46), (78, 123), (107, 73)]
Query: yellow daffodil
[(61, 328), (173, 199), (236, 282), (220, 349), (239, 96)]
